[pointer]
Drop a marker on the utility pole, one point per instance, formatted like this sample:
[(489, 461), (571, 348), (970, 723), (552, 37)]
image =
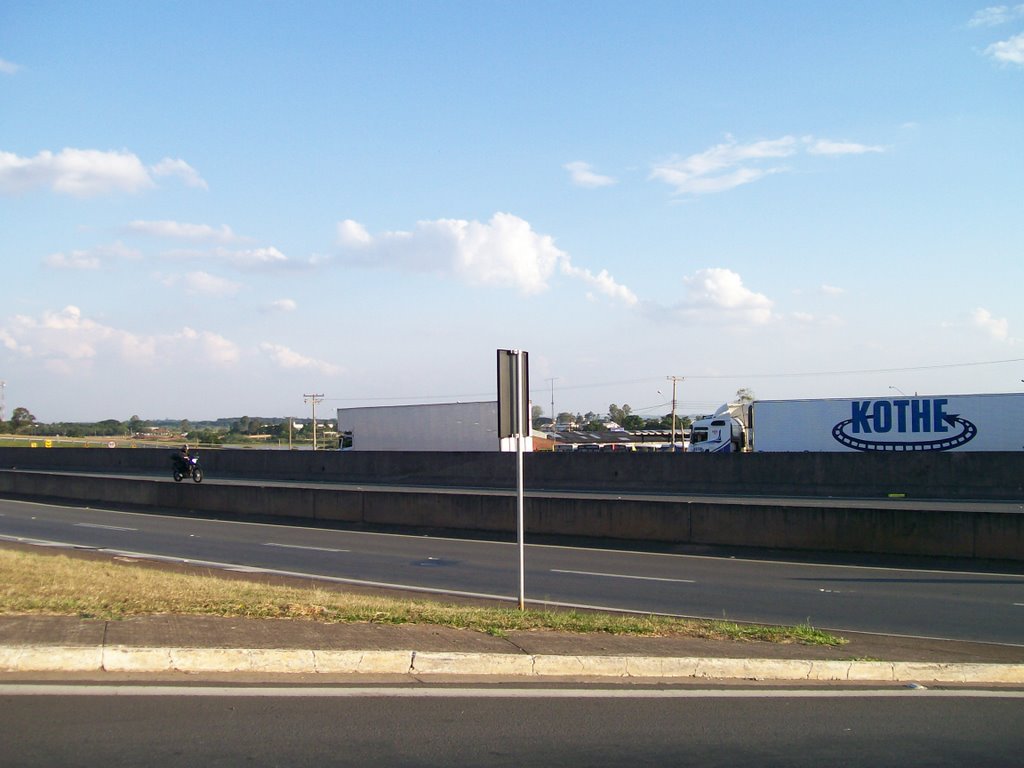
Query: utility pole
[(674, 380), (3, 401), (313, 400)]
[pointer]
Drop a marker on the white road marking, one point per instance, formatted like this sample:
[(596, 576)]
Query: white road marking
[(315, 691), (299, 546), (623, 576), (104, 527)]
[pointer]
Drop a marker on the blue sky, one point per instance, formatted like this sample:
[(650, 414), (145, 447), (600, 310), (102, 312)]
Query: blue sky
[(211, 209)]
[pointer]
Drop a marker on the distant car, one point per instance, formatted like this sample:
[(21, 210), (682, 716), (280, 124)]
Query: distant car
[(588, 448)]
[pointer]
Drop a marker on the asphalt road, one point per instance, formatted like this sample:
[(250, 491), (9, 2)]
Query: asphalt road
[(949, 604), (408, 726)]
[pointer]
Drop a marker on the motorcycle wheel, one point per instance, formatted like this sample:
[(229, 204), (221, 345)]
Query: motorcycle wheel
[(177, 476), (197, 474)]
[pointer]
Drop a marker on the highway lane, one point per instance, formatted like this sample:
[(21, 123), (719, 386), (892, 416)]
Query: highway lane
[(153, 725), (985, 607)]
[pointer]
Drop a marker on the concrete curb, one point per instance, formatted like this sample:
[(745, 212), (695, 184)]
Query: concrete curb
[(277, 661)]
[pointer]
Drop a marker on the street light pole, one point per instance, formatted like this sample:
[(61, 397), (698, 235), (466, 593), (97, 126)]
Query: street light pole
[(674, 380)]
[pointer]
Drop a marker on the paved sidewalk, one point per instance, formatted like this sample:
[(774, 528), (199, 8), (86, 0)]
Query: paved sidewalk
[(198, 644)]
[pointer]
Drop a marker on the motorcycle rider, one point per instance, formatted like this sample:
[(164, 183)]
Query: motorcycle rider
[(181, 459)]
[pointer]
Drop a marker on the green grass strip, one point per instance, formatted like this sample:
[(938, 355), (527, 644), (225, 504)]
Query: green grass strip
[(56, 584)]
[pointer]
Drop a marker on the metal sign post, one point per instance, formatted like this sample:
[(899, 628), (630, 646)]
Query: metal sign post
[(513, 421)]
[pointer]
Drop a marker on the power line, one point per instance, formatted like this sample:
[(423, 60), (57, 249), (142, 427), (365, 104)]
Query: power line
[(706, 377), (853, 372)]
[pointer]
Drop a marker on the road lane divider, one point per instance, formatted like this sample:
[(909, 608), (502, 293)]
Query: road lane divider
[(623, 576), (300, 546)]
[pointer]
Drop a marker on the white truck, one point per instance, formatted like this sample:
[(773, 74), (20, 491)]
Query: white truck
[(726, 431), (976, 422), (469, 426)]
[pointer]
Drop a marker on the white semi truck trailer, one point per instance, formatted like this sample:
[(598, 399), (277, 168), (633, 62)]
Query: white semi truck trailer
[(978, 422), (433, 427)]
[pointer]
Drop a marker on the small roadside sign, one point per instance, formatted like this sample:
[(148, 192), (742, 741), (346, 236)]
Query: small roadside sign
[(513, 400)]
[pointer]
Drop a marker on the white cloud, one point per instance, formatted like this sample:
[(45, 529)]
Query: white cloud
[(827, 147), (179, 168), (603, 282), (717, 296), (503, 251), (729, 165), (8, 67), (281, 305), (352, 234), (1008, 51), (86, 172), (83, 260), (90, 259), (722, 290), (203, 283), (822, 321), (582, 175), (76, 172), (65, 342), (723, 166), (287, 358), (831, 290), (177, 230), (995, 15), (252, 258), (212, 347), (245, 259), (997, 328)]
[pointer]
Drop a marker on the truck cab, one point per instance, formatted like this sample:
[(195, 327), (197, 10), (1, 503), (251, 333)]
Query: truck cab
[(723, 432)]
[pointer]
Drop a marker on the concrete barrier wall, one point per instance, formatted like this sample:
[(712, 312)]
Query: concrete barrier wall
[(987, 475), (869, 526)]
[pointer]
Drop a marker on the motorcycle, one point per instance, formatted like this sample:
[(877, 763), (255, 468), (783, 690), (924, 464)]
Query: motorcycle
[(186, 466)]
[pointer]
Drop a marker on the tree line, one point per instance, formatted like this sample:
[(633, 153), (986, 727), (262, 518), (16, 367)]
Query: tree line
[(247, 428), (23, 422), (622, 416)]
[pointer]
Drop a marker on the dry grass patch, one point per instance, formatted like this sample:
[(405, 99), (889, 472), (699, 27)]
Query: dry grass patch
[(62, 585)]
